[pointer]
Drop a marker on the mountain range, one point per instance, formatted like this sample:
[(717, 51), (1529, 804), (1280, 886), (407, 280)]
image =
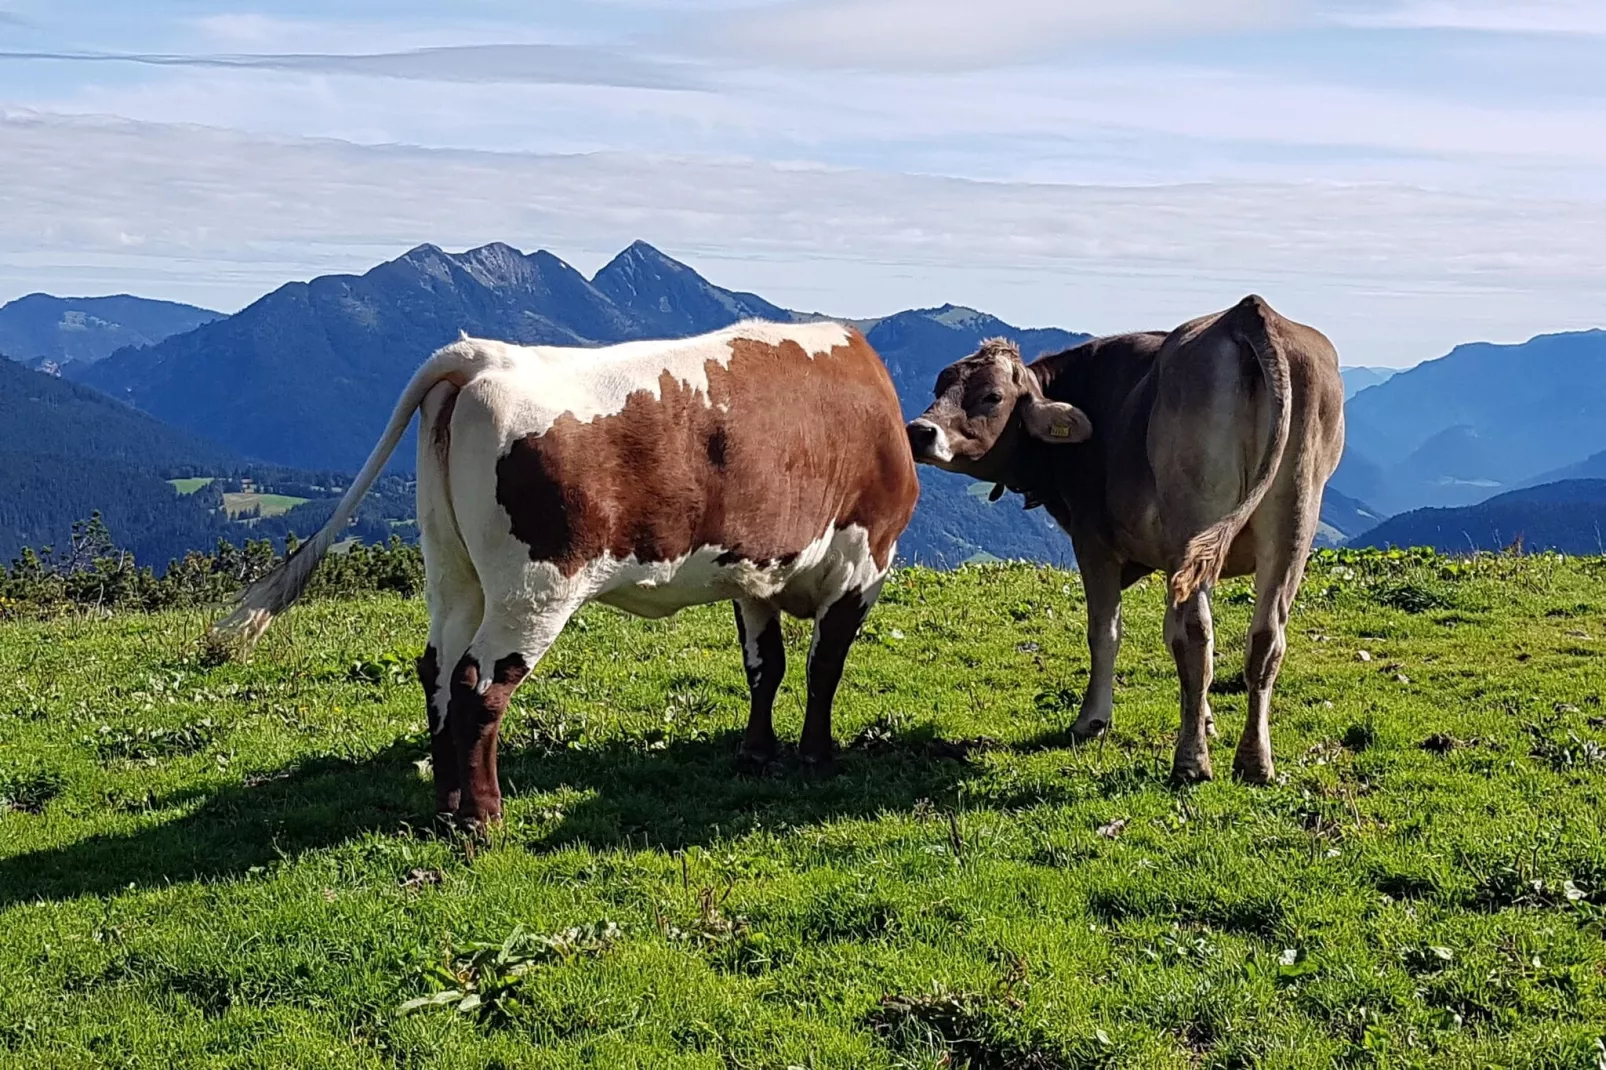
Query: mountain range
[(302, 375), (1483, 419), (305, 376), (43, 330), (1358, 379)]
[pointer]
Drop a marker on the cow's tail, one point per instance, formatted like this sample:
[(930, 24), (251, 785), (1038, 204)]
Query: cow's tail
[(258, 604), (1206, 553)]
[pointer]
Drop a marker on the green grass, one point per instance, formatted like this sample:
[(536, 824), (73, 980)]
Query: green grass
[(236, 503), (190, 484), (235, 865)]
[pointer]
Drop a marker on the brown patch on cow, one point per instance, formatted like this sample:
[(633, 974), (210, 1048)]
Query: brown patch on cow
[(474, 724), (782, 447), (716, 448)]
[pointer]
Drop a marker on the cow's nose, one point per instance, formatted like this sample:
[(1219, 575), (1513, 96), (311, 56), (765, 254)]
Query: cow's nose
[(922, 436)]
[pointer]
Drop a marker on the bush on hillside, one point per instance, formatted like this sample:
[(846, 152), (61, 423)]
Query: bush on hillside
[(92, 573)]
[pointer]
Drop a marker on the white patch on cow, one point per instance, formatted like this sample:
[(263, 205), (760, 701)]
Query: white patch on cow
[(829, 567), (529, 387), (940, 449), (750, 637)]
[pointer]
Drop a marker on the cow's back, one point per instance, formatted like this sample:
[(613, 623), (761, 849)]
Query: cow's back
[(746, 450)]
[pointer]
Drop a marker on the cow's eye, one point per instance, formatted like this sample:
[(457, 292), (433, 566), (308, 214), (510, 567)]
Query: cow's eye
[(995, 398)]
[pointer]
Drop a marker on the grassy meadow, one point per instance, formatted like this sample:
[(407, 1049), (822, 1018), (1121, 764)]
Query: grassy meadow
[(236, 865), (238, 502), (190, 484)]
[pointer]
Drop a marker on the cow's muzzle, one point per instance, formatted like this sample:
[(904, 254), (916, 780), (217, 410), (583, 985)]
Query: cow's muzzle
[(928, 442)]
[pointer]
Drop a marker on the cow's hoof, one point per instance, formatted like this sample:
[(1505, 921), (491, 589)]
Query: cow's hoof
[(755, 761), (1253, 768), (817, 761), (477, 822), (1082, 731), (1192, 771)]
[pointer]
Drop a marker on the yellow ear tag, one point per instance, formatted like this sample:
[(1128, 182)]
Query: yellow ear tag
[(1061, 429)]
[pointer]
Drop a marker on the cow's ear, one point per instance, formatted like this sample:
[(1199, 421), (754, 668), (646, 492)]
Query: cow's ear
[(1054, 422)]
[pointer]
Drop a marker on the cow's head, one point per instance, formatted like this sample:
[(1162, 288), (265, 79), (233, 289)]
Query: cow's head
[(985, 404)]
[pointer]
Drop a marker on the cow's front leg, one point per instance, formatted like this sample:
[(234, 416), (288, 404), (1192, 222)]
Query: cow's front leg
[(506, 648), (1190, 633), (1101, 580), (764, 656), (835, 628)]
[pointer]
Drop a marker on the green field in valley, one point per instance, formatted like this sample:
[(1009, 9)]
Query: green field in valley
[(236, 865), (190, 484), (237, 502)]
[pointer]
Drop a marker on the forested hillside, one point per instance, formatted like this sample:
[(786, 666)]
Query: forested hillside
[(67, 451)]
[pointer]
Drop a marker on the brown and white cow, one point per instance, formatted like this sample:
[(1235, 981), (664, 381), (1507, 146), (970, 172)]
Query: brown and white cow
[(1202, 453), (765, 464)]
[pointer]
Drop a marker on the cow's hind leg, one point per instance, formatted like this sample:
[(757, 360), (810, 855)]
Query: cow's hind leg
[(764, 656), (1190, 633), (509, 643), (835, 628), (1279, 567), (451, 589), (455, 607)]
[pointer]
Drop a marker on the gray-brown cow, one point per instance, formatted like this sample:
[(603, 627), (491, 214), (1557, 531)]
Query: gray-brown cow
[(1202, 453)]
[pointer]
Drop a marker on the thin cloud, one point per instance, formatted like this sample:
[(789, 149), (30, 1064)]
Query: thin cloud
[(530, 63), (1394, 273), (8, 18), (950, 34), (1492, 16)]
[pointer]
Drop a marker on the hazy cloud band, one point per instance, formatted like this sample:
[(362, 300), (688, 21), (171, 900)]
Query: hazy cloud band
[(532, 63)]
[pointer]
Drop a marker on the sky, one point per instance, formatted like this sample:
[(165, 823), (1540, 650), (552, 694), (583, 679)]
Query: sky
[(1404, 175)]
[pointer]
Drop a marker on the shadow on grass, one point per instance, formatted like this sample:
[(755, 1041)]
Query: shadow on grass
[(679, 794)]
